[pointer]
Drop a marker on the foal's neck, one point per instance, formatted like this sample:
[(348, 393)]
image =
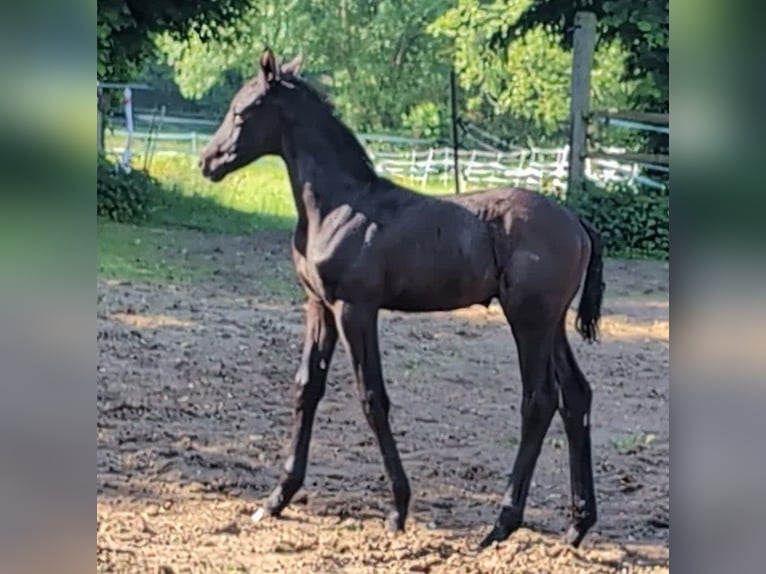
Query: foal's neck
[(324, 165)]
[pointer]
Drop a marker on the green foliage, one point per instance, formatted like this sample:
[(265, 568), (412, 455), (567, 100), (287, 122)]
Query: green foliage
[(124, 196), (165, 91), (125, 29), (375, 58), (525, 92), (383, 64), (642, 28), (424, 120), (632, 223), (386, 63), (200, 63)]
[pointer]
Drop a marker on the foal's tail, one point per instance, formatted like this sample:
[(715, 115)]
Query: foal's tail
[(589, 311)]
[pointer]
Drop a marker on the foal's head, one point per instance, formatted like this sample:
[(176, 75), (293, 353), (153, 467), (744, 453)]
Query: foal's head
[(252, 125)]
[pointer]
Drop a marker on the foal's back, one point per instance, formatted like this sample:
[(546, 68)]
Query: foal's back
[(443, 253), (526, 220)]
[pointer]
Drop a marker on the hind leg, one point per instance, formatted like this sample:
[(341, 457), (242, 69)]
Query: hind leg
[(535, 335), (574, 409)]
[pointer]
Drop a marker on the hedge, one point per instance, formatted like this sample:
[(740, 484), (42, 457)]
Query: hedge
[(633, 223), (123, 196)]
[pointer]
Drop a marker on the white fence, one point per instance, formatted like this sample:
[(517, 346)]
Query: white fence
[(527, 168), (533, 168), (422, 163)]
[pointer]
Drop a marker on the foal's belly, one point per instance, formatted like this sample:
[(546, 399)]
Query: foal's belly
[(437, 276), (439, 297)]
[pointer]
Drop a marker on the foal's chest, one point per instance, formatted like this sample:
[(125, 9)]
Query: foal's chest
[(331, 249)]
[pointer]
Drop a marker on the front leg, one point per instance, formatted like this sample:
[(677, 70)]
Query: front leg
[(358, 325), (321, 336)]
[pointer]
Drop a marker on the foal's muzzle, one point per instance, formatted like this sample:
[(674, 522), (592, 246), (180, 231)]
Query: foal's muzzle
[(210, 162)]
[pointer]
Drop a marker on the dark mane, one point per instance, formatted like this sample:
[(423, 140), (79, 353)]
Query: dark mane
[(327, 126)]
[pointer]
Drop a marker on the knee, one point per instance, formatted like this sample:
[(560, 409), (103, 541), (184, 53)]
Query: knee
[(538, 403), (307, 393), (375, 403), (577, 401)]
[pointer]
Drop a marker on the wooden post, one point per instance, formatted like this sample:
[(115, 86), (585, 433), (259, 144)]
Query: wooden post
[(582, 63), (453, 100)]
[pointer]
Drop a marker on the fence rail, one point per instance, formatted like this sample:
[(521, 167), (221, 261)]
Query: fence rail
[(423, 163), (657, 118), (583, 50)]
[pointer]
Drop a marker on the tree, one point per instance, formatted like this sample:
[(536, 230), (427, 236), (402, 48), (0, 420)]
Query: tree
[(386, 63), (200, 64), (641, 27), (125, 28), (375, 57), (524, 93)]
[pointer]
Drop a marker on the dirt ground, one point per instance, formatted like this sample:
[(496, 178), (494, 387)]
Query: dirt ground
[(194, 395)]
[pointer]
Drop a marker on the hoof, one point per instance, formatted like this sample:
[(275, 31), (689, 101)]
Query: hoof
[(395, 522), (258, 515), (498, 534), (275, 504), (573, 536)]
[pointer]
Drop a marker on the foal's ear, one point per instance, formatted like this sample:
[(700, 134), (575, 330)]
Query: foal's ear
[(268, 65), (294, 67)]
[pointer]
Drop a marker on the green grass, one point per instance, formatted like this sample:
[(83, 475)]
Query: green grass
[(255, 198), (634, 442), (140, 253)]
